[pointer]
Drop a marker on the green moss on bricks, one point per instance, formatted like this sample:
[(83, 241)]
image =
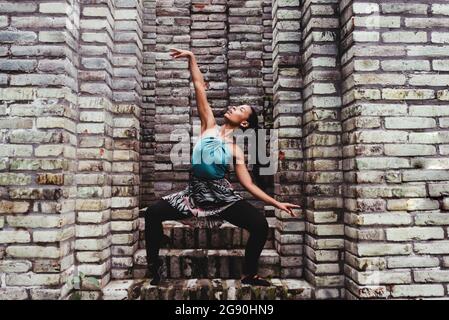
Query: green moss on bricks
[(271, 293), (256, 293), (185, 294), (284, 293)]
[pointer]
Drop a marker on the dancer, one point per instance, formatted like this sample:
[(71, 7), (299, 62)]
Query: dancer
[(209, 197)]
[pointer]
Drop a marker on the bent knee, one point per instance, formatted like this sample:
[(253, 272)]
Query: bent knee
[(154, 212), (260, 225)]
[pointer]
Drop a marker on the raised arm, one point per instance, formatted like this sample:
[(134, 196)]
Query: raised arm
[(204, 110)]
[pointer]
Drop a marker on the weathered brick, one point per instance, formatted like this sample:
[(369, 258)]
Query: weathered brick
[(383, 249), (33, 252), (431, 275), (15, 266), (417, 290), (15, 236), (35, 221), (414, 233), (13, 7), (413, 8), (412, 262), (32, 279), (432, 247), (18, 65), (53, 7), (14, 206), (13, 293)]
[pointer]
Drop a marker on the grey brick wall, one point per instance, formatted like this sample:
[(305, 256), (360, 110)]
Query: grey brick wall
[(287, 109), (321, 145), (71, 99), (39, 115), (394, 68), (230, 42), (356, 90)]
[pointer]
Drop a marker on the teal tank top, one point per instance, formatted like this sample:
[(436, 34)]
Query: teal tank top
[(211, 157)]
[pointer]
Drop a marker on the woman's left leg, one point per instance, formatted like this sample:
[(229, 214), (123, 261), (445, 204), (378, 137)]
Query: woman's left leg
[(244, 215)]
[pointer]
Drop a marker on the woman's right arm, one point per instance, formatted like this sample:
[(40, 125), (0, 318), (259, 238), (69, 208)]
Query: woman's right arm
[(204, 110)]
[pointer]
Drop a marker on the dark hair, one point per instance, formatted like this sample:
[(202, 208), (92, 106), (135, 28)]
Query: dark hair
[(253, 121)]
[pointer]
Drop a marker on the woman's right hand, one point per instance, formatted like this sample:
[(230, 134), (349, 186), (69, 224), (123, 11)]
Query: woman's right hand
[(180, 53)]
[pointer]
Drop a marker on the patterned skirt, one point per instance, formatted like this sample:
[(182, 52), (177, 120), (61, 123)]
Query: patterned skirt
[(202, 200)]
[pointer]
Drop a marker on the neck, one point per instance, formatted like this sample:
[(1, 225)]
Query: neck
[(227, 129)]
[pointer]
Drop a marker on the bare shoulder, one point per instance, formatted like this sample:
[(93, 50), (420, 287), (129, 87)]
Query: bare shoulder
[(208, 129)]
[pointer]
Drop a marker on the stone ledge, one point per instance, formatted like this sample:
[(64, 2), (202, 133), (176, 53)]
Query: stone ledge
[(177, 235), (207, 289), (207, 263)]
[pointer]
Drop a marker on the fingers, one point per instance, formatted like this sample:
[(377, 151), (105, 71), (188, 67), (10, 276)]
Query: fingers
[(175, 55), (175, 52), (290, 211)]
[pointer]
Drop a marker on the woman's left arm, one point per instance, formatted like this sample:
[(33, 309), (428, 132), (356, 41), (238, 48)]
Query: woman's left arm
[(247, 182)]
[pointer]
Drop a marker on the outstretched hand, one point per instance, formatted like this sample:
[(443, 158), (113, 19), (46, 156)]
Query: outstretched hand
[(285, 206), (180, 53)]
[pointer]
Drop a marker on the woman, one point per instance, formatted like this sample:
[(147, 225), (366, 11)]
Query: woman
[(209, 197)]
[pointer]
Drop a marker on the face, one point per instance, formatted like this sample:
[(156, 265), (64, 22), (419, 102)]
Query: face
[(238, 115)]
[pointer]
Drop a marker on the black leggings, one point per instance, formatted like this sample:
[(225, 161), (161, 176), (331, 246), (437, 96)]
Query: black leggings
[(241, 214)]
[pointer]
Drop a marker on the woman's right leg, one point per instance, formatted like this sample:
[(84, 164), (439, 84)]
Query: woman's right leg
[(154, 216)]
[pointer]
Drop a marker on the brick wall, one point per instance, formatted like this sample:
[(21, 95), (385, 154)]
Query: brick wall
[(229, 40), (321, 129), (356, 90), (287, 110), (394, 117), (71, 96), (38, 121)]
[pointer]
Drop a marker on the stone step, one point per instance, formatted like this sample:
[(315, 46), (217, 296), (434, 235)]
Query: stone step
[(220, 289), (269, 211), (207, 289), (123, 289), (180, 236), (207, 263)]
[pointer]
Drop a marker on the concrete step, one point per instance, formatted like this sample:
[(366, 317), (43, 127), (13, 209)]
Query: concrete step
[(180, 236), (269, 211), (207, 289), (206, 263), (123, 289), (219, 289)]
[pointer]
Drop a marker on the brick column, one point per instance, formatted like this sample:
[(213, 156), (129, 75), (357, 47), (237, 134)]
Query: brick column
[(147, 117), (395, 135), (245, 62), (38, 113), (148, 106), (245, 50), (267, 63), (93, 230), (267, 81), (287, 111), (127, 97), (172, 93), (322, 148), (208, 41)]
